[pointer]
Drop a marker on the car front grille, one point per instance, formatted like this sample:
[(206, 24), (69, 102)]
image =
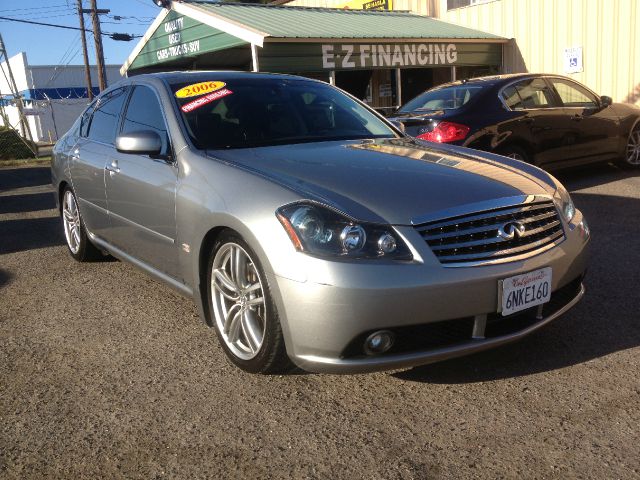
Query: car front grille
[(474, 239)]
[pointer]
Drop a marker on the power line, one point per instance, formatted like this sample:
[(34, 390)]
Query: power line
[(107, 34)]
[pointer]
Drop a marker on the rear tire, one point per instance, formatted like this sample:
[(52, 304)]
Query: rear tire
[(242, 310), (75, 232), (631, 157), (515, 152)]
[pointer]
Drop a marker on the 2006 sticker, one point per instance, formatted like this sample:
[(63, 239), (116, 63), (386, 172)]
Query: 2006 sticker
[(199, 89)]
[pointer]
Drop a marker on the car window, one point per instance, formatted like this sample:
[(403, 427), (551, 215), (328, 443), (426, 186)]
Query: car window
[(85, 119), (245, 113), (446, 98), (573, 95), (106, 113), (144, 113), (529, 93)]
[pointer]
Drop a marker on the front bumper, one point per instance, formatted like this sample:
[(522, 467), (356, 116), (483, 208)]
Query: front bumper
[(340, 303)]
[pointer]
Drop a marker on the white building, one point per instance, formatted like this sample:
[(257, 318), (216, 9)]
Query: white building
[(53, 95)]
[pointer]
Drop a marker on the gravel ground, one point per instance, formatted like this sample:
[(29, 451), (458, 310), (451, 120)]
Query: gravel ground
[(105, 373)]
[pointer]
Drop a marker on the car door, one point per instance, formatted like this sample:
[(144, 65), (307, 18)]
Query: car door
[(595, 126), (536, 123), (141, 189), (89, 157)]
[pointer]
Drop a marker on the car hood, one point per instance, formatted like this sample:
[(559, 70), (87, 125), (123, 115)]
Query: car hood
[(397, 181)]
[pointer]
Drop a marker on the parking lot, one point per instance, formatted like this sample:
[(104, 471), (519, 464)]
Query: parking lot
[(106, 373)]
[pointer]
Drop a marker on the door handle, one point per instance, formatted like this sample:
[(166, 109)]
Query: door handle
[(577, 118), (112, 168), (527, 120)]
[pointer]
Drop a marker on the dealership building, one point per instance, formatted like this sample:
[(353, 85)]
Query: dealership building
[(380, 56), (387, 51)]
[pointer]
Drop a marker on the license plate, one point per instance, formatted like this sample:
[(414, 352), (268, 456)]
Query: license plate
[(527, 290)]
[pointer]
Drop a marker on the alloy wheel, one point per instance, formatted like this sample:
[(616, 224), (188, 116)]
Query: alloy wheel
[(238, 301), (633, 148), (71, 221)]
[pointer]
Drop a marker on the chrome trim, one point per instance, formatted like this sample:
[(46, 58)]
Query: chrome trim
[(125, 257), (493, 226), (496, 261), (142, 227), (498, 239), (452, 240), (507, 251), (316, 363), (471, 208)]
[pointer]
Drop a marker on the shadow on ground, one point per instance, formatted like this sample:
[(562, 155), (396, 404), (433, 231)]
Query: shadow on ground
[(606, 321), (22, 177), (4, 277), (27, 203)]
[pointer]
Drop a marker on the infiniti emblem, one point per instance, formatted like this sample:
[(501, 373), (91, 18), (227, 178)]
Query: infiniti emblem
[(511, 230)]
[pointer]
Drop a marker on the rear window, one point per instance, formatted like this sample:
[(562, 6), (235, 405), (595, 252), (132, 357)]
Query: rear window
[(447, 98), (244, 113)]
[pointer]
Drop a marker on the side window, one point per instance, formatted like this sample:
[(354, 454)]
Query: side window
[(144, 113), (104, 120), (85, 119), (529, 93), (573, 95)]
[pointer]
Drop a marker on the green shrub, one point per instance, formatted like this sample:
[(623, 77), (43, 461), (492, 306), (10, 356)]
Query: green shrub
[(12, 146)]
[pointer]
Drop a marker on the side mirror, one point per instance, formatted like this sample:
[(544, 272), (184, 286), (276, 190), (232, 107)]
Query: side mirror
[(143, 142), (605, 101)]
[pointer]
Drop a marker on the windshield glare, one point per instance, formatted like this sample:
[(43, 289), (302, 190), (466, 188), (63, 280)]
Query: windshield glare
[(447, 98), (244, 113)]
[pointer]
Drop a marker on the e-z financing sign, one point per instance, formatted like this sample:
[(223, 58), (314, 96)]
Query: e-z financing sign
[(366, 5), (345, 57), (176, 48)]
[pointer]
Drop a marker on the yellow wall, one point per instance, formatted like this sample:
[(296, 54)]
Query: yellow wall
[(542, 29)]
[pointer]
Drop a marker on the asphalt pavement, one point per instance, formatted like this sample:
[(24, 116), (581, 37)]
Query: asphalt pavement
[(105, 373)]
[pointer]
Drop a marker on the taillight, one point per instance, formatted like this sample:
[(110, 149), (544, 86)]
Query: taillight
[(445, 132)]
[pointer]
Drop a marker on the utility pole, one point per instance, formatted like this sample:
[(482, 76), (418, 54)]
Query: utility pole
[(97, 36), (87, 68)]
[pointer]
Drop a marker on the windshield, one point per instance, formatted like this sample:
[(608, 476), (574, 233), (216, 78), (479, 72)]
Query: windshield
[(251, 112), (447, 98)]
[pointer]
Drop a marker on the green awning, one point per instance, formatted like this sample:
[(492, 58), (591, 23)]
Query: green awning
[(300, 39)]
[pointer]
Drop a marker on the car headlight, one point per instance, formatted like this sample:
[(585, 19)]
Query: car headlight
[(323, 232), (563, 201)]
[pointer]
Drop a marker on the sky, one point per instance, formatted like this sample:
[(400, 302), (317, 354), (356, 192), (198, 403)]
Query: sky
[(56, 46)]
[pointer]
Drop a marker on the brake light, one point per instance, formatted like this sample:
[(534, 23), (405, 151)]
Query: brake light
[(445, 132)]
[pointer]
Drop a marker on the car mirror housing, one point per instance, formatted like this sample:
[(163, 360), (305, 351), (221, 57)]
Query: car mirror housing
[(605, 101), (143, 142)]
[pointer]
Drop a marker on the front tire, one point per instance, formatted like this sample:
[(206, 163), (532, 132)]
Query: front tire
[(243, 313), (75, 232), (515, 152), (632, 153)]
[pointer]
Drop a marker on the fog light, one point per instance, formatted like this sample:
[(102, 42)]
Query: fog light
[(378, 342)]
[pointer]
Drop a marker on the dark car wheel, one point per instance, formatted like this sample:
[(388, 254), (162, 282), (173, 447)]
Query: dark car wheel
[(632, 154), (75, 232), (244, 315), (515, 152)]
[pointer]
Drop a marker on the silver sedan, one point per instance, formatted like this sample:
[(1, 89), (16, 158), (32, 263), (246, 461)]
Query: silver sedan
[(310, 231)]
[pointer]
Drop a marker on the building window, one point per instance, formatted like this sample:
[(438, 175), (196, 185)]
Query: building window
[(453, 4)]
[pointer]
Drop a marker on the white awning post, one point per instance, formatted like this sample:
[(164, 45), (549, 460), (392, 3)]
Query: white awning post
[(254, 58), (398, 87), (453, 73), (332, 78)]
